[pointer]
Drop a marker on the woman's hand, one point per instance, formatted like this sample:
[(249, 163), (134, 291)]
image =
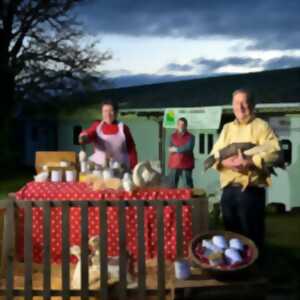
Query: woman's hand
[(172, 149), (83, 138)]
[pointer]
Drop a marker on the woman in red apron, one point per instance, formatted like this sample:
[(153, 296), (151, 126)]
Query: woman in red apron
[(111, 139)]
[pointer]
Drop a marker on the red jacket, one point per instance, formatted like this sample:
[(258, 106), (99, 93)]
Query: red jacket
[(184, 158), (113, 129)]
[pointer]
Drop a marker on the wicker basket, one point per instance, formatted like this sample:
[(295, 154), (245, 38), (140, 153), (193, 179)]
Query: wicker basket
[(228, 235)]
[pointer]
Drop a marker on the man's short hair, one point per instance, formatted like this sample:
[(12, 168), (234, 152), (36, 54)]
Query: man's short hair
[(249, 95), (184, 120), (111, 102)]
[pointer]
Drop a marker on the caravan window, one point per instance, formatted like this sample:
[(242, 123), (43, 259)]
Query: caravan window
[(201, 143), (210, 142), (286, 146), (203, 148), (76, 131)]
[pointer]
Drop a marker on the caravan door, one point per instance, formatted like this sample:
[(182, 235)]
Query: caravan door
[(285, 186)]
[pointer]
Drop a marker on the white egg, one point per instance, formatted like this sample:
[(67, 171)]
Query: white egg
[(220, 241), (209, 245), (233, 256), (236, 244)]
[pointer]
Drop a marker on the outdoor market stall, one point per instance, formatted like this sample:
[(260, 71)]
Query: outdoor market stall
[(81, 191)]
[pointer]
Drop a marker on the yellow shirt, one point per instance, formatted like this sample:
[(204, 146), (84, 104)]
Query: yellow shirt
[(256, 131)]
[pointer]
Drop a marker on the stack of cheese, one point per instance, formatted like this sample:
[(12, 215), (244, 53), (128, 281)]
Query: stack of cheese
[(112, 176)]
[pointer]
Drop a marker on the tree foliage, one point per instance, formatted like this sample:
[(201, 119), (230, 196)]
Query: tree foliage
[(45, 49)]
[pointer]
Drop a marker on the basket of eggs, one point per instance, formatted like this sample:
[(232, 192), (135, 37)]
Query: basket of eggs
[(223, 252)]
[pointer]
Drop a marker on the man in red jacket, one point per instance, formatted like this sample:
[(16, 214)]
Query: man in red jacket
[(112, 139), (181, 159)]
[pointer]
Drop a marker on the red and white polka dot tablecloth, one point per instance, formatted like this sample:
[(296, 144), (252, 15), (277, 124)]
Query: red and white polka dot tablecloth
[(81, 191)]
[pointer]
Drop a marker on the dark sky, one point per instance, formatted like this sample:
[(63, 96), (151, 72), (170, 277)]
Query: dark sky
[(271, 30)]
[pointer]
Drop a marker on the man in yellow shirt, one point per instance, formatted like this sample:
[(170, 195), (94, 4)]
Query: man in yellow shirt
[(243, 209)]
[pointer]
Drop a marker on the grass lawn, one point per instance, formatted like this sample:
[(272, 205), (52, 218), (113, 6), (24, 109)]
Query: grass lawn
[(281, 260), (13, 181)]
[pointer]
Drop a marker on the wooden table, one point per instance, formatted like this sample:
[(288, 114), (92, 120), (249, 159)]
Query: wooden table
[(251, 285)]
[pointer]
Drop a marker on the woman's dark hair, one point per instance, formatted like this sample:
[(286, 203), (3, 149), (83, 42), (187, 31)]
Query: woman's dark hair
[(249, 94), (114, 104), (184, 120)]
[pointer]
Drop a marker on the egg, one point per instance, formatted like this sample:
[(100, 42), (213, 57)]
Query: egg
[(232, 256), (236, 244), (220, 241), (207, 244)]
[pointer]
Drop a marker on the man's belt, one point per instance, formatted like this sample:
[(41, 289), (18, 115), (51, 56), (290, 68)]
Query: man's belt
[(239, 185)]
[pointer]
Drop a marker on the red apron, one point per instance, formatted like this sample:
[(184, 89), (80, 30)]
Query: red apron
[(181, 160)]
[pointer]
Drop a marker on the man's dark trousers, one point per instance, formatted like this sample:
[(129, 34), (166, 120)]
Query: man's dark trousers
[(244, 211)]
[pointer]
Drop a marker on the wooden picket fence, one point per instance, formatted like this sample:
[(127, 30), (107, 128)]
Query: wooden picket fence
[(199, 208)]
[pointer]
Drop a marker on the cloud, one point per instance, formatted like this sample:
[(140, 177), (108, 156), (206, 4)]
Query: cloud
[(178, 67), (199, 67), (142, 79), (217, 66), (206, 68), (213, 65), (271, 24), (285, 61)]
